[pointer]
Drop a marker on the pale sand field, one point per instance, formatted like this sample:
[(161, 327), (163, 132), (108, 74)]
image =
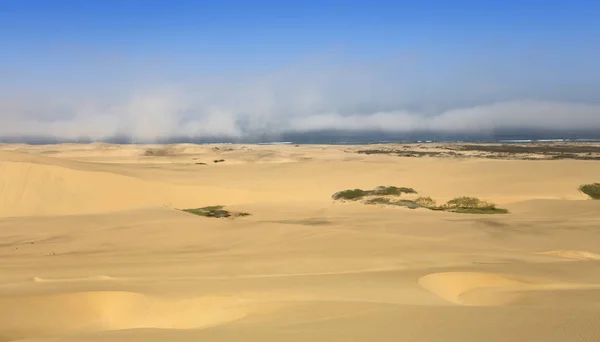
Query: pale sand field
[(92, 247)]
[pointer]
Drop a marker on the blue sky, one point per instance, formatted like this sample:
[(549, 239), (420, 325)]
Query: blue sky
[(153, 68)]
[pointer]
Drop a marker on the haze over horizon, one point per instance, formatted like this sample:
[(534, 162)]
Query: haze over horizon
[(152, 70)]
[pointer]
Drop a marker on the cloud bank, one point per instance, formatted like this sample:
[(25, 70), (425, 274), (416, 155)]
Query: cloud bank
[(365, 97)]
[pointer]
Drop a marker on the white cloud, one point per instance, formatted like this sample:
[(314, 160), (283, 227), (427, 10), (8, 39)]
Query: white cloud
[(300, 100)]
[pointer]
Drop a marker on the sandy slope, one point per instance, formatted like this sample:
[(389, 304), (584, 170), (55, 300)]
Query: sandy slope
[(92, 249)]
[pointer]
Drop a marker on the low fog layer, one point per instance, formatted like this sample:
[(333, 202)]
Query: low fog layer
[(406, 98)]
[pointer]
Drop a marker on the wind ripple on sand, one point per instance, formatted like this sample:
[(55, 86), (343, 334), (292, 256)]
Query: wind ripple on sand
[(490, 289), (81, 312), (572, 254), (64, 280)]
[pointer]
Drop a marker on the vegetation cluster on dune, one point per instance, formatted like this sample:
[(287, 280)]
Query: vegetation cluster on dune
[(388, 195), (592, 190), (357, 194), (215, 211), (472, 205)]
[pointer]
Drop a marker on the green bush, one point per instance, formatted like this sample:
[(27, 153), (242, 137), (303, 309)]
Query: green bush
[(392, 191), (592, 190), (378, 200), (472, 205), (350, 195), (480, 211), (426, 202), (465, 202), (216, 211), (386, 201), (356, 194), (407, 203)]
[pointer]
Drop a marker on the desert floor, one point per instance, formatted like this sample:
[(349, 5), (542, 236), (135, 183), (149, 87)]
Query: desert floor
[(93, 248)]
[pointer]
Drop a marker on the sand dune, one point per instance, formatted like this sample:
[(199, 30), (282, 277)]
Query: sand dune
[(488, 289), (33, 189), (85, 312), (93, 248), (453, 286), (43, 186), (69, 313)]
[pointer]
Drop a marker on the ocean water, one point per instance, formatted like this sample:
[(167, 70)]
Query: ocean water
[(343, 138)]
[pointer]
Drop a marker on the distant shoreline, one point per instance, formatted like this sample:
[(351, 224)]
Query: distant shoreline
[(324, 142), (513, 150), (332, 137), (535, 150)]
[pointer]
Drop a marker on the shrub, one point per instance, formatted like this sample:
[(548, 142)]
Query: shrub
[(356, 194), (392, 191), (465, 202), (350, 195), (386, 201), (472, 205), (378, 200), (216, 211), (480, 211), (426, 202), (407, 203), (592, 190)]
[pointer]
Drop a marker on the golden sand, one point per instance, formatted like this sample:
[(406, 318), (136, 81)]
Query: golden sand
[(93, 248)]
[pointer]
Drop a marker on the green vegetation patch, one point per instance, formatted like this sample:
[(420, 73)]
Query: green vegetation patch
[(358, 194), (592, 190), (479, 211), (386, 201), (407, 203), (350, 195), (426, 202), (387, 195), (391, 191), (466, 202), (378, 200), (472, 205), (215, 211)]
